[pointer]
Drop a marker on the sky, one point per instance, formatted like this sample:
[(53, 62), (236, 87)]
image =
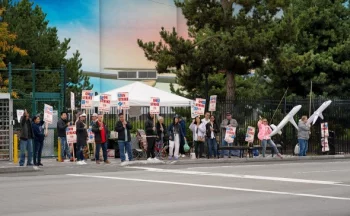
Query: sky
[(106, 31)]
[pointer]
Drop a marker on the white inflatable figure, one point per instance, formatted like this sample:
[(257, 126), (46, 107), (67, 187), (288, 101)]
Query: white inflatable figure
[(318, 113), (288, 118)]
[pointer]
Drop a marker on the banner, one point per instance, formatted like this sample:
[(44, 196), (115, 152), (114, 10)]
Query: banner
[(154, 106), (123, 100), (86, 99), (200, 104), (249, 137), (20, 113), (71, 133), (212, 104), (72, 101), (324, 143), (91, 135), (48, 114), (193, 110), (105, 103), (324, 129), (230, 134)]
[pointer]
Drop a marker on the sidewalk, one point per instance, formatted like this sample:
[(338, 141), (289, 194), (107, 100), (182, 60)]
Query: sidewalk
[(10, 167)]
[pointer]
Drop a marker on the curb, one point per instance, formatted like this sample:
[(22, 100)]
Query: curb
[(239, 160), (19, 169)]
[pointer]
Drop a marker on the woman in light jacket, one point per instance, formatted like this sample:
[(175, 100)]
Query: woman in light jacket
[(198, 130), (264, 136), (303, 135)]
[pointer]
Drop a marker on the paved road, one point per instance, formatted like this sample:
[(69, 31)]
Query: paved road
[(308, 188)]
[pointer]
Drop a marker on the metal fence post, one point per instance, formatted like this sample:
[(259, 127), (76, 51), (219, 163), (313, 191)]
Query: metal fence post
[(33, 89), (10, 78), (63, 88)]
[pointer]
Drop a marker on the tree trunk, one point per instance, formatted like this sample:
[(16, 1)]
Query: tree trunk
[(230, 90)]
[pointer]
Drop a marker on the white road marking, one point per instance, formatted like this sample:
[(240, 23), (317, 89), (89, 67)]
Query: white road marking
[(240, 176), (324, 171), (214, 187)]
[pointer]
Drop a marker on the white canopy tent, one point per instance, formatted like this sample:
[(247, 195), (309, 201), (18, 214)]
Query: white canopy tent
[(140, 95)]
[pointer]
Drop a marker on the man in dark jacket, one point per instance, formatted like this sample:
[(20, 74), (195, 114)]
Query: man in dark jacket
[(101, 137), (26, 139), (82, 137), (62, 125), (123, 128), (182, 138), (151, 134), (39, 137)]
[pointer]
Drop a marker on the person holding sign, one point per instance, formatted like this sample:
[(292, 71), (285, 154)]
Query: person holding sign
[(62, 125), (101, 136), (198, 130), (212, 129), (228, 122), (82, 137), (264, 136), (123, 128), (39, 137), (26, 138)]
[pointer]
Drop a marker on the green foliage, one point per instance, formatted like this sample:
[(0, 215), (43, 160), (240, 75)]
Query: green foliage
[(317, 49), (223, 41)]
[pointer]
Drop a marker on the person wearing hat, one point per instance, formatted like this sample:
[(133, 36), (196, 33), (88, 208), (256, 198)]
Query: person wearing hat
[(228, 122), (82, 137), (93, 119)]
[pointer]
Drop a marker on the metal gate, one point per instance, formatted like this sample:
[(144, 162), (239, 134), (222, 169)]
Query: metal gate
[(6, 127)]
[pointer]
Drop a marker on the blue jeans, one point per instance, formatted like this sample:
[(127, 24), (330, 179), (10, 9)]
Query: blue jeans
[(64, 148), (225, 152), (38, 149), (26, 145), (271, 143), (124, 146), (213, 147), (104, 151), (303, 144)]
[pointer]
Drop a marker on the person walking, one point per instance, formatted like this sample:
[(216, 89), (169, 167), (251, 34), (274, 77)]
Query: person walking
[(26, 139), (303, 135), (175, 135), (39, 137), (151, 134), (198, 130), (101, 137), (62, 125), (82, 137), (212, 128), (228, 122), (264, 136), (123, 128)]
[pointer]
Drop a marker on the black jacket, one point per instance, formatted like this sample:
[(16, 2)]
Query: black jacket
[(96, 129), (149, 126), (208, 131), (82, 134), (121, 130), (159, 132), (61, 127), (26, 129), (38, 131), (171, 131)]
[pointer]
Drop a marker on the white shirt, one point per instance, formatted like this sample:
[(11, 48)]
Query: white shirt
[(205, 121)]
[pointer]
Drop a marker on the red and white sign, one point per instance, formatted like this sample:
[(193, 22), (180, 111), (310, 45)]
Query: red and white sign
[(71, 133), (212, 104), (123, 100), (324, 135), (91, 136), (200, 104), (154, 106), (86, 99), (105, 103), (230, 134), (249, 137), (48, 114)]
